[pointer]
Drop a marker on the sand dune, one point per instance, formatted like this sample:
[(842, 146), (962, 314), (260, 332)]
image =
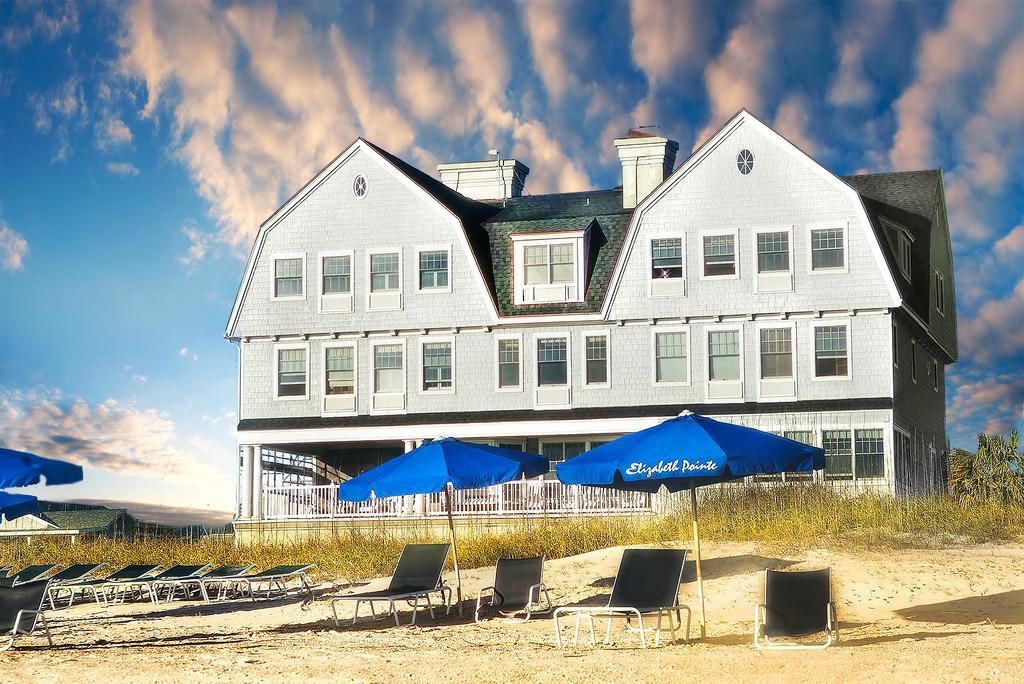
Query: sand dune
[(907, 616)]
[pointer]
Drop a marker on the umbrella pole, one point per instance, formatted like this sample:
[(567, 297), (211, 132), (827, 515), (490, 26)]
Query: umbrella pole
[(696, 548), (455, 549)]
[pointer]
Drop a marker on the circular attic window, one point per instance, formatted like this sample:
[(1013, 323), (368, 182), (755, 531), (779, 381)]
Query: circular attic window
[(359, 186), (745, 161)]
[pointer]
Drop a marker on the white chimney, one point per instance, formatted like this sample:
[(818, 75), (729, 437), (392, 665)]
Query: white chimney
[(647, 160), (485, 180)]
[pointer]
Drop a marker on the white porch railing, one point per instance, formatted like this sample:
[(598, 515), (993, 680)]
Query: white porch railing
[(522, 498)]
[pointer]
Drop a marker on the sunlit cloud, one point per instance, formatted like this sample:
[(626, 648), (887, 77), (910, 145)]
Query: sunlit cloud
[(109, 435), (13, 248), (122, 169)]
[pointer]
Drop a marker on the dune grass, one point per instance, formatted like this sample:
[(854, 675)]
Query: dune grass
[(792, 517)]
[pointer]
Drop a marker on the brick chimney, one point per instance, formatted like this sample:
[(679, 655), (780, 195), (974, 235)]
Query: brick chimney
[(647, 160), (485, 180)]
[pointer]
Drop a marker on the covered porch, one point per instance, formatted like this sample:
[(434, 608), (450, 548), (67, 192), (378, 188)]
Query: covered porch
[(298, 482)]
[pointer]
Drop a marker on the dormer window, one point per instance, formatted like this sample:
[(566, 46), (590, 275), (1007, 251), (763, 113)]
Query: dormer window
[(548, 268), (904, 246)]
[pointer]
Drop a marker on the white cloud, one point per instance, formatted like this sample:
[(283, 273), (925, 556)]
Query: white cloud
[(991, 404), (996, 332), (185, 353), (13, 248), (547, 26), (734, 78), (851, 86), (43, 25), (1010, 245), (110, 435), (60, 111), (199, 245), (122, 169), (112, 132), (792, 120)]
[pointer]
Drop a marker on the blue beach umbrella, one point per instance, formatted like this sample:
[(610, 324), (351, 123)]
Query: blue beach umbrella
[(20, 469), (443, 465), (687, 452), (16, 505)]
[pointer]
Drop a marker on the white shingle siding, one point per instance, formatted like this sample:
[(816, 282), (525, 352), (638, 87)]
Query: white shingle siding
[(331, 218), (780, 191), (630, 367)]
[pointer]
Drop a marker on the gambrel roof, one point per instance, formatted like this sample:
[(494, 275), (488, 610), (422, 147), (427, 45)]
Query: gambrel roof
[(910, 199)]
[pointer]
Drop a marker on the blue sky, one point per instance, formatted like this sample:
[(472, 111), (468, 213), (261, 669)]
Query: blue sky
[(141, 144)]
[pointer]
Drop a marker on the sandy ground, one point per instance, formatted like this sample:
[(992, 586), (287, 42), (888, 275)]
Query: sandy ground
[(936, 616)]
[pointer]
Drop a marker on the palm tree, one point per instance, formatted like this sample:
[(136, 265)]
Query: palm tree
[(994, 473)]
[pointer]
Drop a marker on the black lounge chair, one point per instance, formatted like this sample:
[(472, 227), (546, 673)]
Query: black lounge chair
[(518, 584), (249, 585), (647, 582), (199, 582), (3, 570), (111, 583), (71, 575), (21, 608), (417, 575), (29, 573), (796, 604)]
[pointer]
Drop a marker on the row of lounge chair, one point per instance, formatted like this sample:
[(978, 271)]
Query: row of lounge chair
[(646, 585)]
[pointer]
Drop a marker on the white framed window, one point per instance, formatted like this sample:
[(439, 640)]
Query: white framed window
[(335, 278), (433, 269), (828, 249), (289, 276), (935, 374), (913, 360), (905, 251), (831, 351), (384, 268), (553, 368), (940, 293), (854, 455), (508, 361), (773, 259), (561, 451), (388, 359), (340, 390), (548, 267), (667, 274), (724, 348), (437, 365), (719, 250), (597, 359), (869, 454), (670, 355), (838, 446), (776, 361), (772, 249), (291, 371), (552, 361)]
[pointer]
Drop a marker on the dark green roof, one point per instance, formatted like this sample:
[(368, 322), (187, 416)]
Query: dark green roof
[(85, 519), (906, 198), (599, 210), (913, 191)]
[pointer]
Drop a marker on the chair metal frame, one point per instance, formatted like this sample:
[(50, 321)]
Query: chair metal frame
[(244, 584), (99, 589), (440, 587), (763, 642), (610, 613), (199, 582), (39, 617), (530, 604)]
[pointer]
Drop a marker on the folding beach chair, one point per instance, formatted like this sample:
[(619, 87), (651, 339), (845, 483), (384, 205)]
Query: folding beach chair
[(71, 575), (151, 585), (199, 582), (796, 604), (647, 582), (21, 608), (417, 575), (518, 584), (3, 570), (100, 587), (277, 576), (29, 573)]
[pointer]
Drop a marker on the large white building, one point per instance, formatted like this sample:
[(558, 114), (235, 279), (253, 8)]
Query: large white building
[(381, 307)]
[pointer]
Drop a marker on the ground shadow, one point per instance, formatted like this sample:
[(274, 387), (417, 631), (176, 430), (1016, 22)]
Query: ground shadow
[(730, 566), (174, 641), (1005, 608), (891, 638), (603, 582)]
